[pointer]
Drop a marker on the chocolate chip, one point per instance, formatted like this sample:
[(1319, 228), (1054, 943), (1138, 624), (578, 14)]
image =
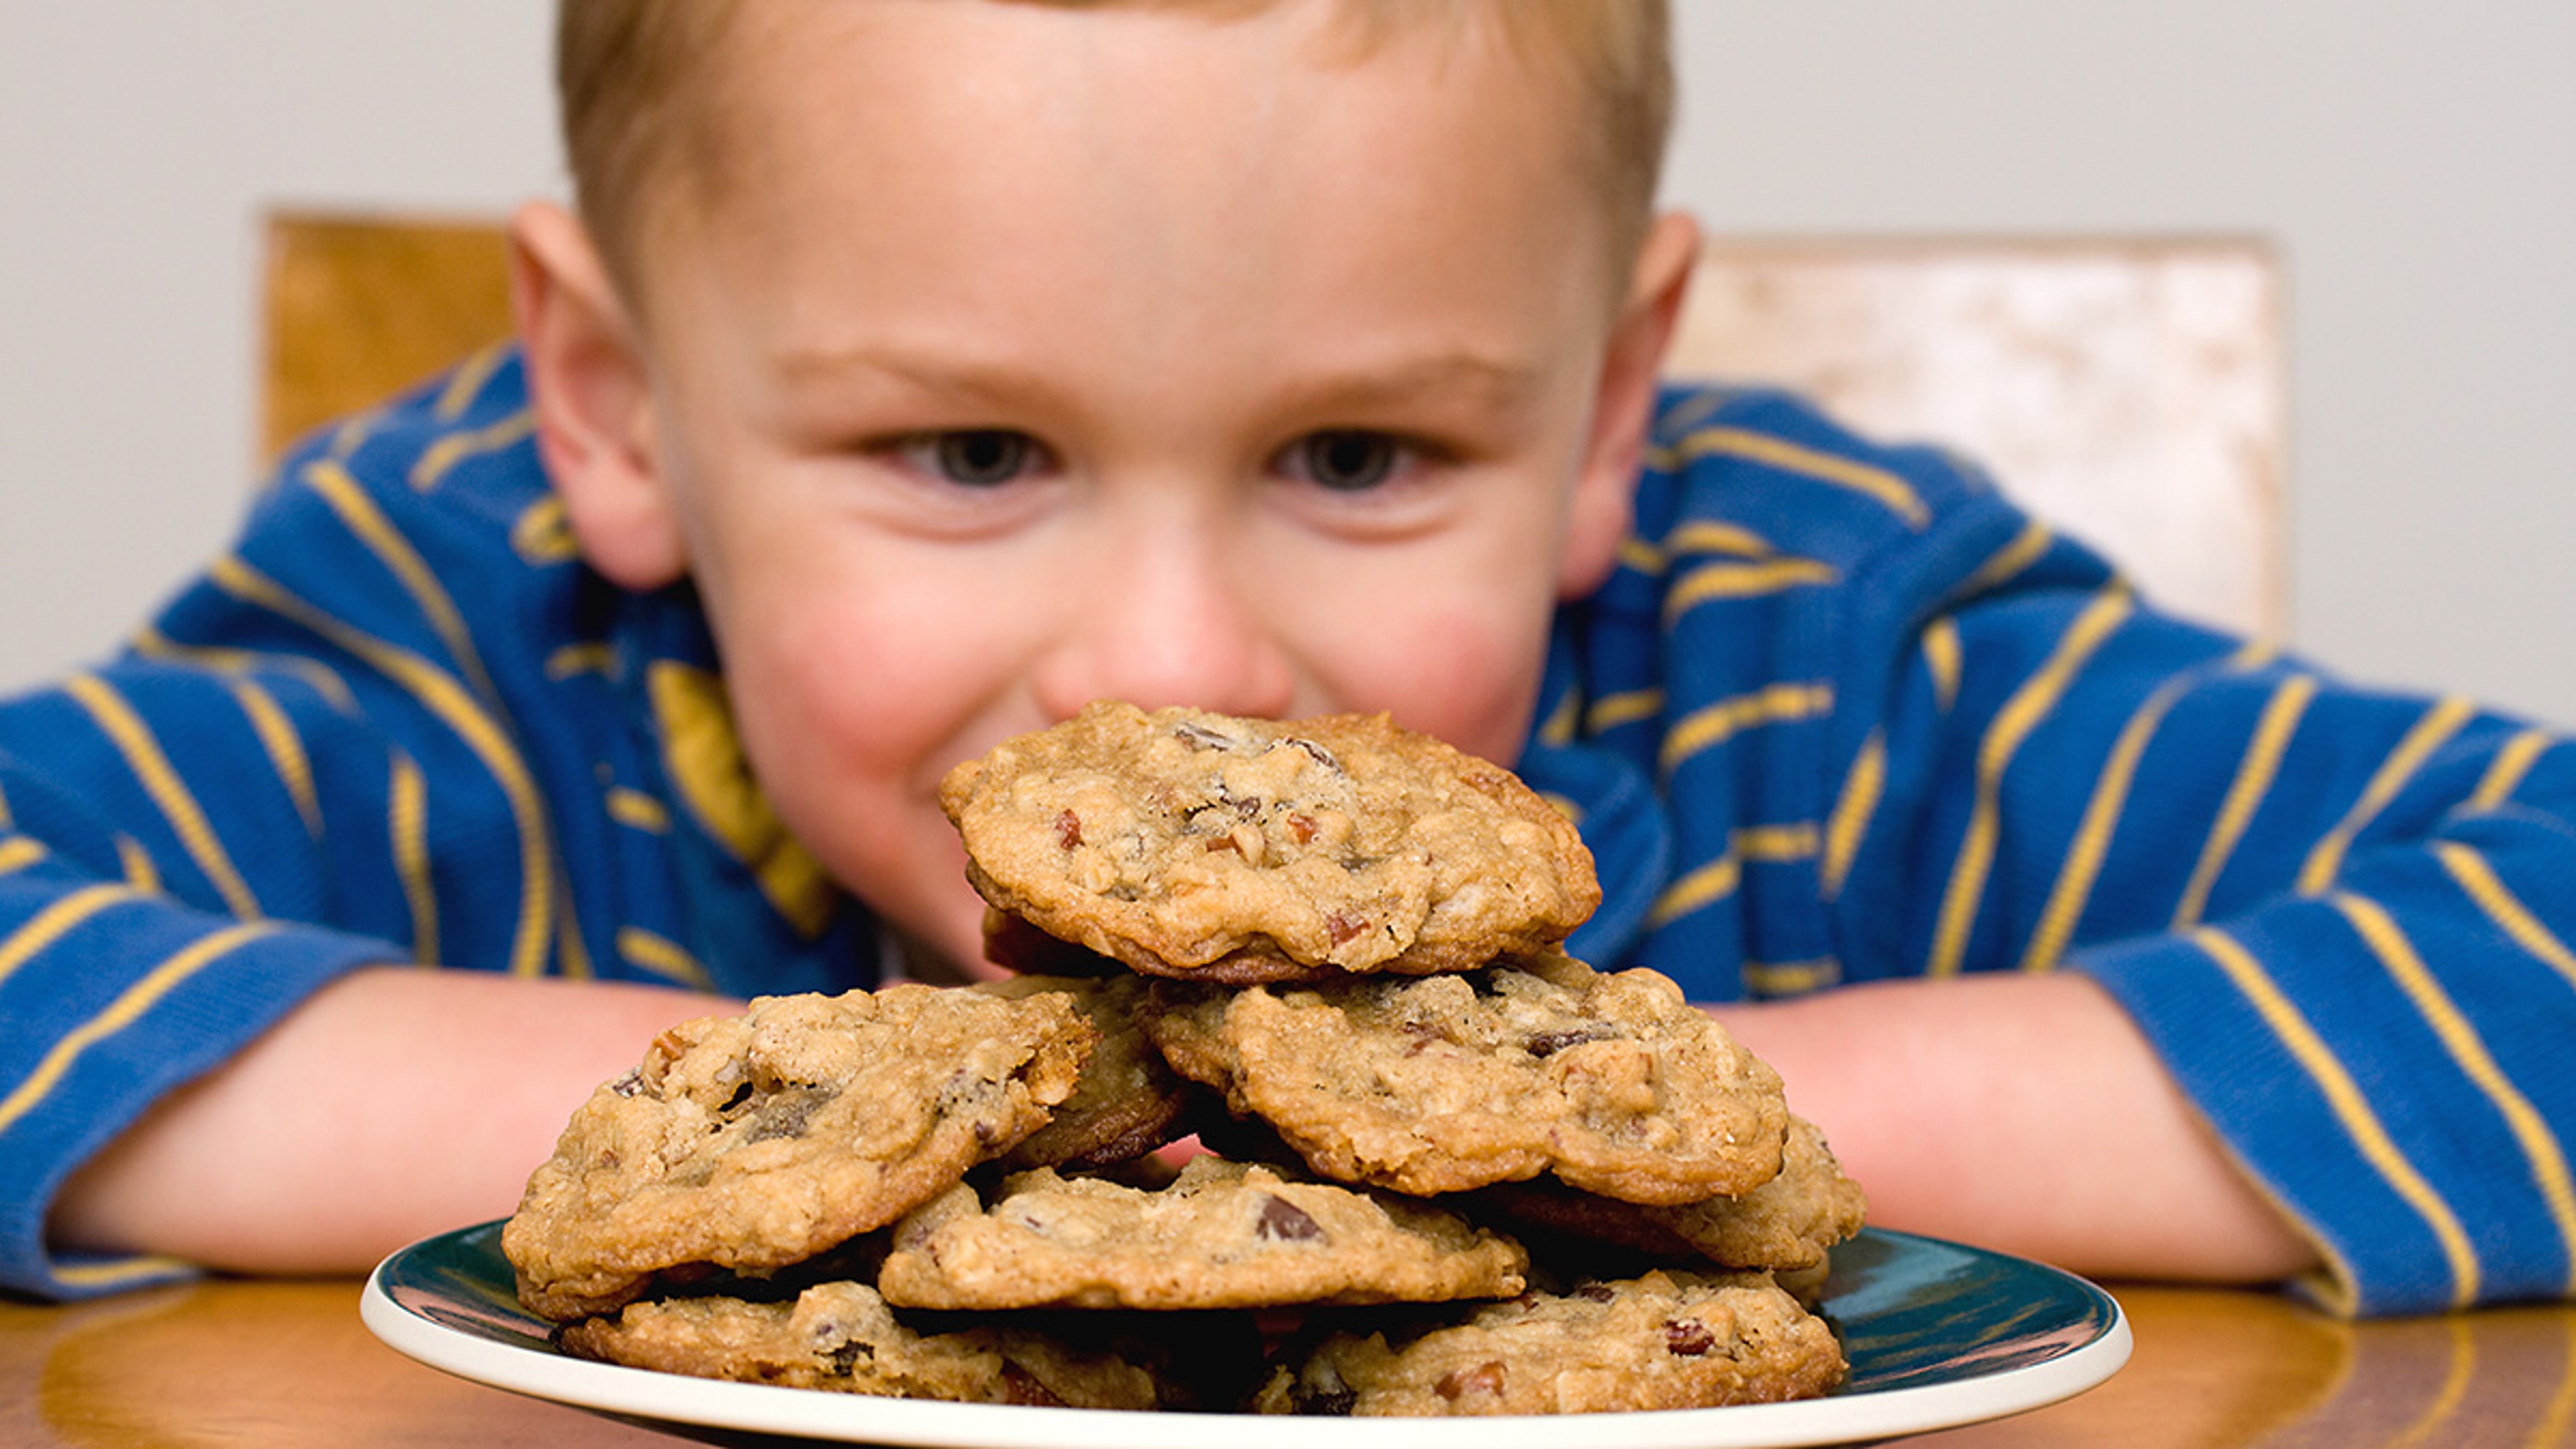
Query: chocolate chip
[(1199, 736), (1596, 1293), (1284, 1221), (1546, 1044), (845, 1357), (1019, 1386), (1688, 1337), (786, 1113), (1334, 1402), (1484, 1378), (1323, 757), (630, 1084)]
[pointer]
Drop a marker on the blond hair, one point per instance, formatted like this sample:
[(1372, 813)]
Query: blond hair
[(634, 82)]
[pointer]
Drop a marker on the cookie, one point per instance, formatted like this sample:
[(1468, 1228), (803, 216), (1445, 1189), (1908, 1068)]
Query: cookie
[(1662, 1341), (1128, 1101), (1613, 1083), (754, 1141), (1786, 1224), (843, 1337), (1222, 1235), (1195, 844)]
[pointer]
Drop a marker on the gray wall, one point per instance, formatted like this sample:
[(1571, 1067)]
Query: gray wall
[(2417, 168)]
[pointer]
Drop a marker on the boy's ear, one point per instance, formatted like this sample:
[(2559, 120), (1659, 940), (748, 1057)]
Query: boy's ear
[(1605, 490), (592, 395)]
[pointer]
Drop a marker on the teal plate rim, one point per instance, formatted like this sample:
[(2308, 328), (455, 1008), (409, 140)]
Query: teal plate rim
[(1938, 1334)]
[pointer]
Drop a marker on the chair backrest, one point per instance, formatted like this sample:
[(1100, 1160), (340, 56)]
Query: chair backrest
[(355, 307), (2129, 392)]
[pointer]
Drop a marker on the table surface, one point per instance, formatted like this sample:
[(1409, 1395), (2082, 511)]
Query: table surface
[(284, 1364)]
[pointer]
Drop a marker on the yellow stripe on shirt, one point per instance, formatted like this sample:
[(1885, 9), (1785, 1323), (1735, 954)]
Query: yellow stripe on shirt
[(1942, 656), (662, 957), (121, 1013), (2254, 776), (1715, 723), (1709, 535), (455, 707), (2445, 719), (1854, 806), (2011, 559), (2350, 1105), (1887, 489), (1613, 710), (2506, 771), (2101, 818), (636, 810), (1744, 579), (386, 542), (2541, 1151), (285, 750), (170, 795), (407, 832), (440, 458), (2013, 725), (56, 921), (466, 382), (2511, 916), (1696, 888)]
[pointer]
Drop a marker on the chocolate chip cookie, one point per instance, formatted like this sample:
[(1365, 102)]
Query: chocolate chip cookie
[(841, 1336), (1188, 843), (1128, 1101), (1614, 1083), (1785, 1224), (754, 1141), (1220, 1235), (1662, 1341)]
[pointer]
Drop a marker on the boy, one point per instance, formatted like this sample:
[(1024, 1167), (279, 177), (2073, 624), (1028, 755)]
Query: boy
[(934, 367)]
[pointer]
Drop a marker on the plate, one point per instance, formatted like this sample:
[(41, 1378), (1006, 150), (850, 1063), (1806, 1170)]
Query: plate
[(1938, 1335)]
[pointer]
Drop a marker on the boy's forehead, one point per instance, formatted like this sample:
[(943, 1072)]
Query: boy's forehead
[(818, 92)]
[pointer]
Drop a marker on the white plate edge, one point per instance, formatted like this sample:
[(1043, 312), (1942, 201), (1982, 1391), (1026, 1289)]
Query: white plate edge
[(764, 1408)]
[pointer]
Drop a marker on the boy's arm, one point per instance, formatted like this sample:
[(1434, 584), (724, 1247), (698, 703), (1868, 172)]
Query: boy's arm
[(394, 1103), (2027, 1114), (2313, 942), (2113, 903)]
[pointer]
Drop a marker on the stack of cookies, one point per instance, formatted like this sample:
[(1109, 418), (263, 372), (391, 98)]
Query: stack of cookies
[(1453, 1170)]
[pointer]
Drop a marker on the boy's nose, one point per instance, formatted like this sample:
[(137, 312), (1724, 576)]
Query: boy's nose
[(1166, 621)]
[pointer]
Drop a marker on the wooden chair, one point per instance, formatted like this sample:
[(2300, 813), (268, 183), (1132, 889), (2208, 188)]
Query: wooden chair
[(355, 307), (2131, 393)]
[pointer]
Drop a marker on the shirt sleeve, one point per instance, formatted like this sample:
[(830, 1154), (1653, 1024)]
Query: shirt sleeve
[(2339, 913), (306, 764)]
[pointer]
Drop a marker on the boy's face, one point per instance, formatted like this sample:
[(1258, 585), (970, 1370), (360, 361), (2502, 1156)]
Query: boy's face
[(1022, 356)]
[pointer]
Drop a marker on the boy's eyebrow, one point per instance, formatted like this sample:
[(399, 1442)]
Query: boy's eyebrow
[(1468, 378)]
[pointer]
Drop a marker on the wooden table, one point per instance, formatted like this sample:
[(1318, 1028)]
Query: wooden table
[(282, 1364)]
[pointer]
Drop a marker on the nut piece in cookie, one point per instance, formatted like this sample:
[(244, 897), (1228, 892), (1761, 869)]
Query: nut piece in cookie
[(1662, 1341), (1128, 1101), (754, 1141), (1786, 1224), (1221, 1235), (842, 1337), (1613, 1082), (1188, 843)]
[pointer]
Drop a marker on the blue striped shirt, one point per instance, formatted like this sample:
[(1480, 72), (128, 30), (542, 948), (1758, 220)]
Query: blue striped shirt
[(1841, 714)]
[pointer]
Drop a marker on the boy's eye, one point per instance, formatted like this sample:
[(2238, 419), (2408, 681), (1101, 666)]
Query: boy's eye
[(973, 457), (1345, 460)]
